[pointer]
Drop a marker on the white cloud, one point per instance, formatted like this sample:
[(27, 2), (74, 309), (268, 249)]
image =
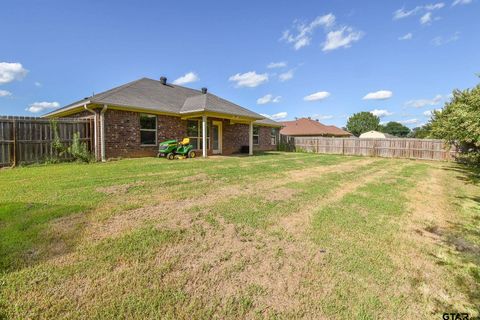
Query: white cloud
[(302, 35), (343, 37), (409, 121), (273, 65), (37, 84), (187, 78), (439, 41), (249, 79), (276, 116), (286, 75), (402, 13), (426, 10), (322, 116), (11, 71), (268, 98), (5, 93), (457, 2), (426, 18), (407, 36), (420, 103), (317, 96), (434, 6), (41, 106), (381, 113), (378, 95)]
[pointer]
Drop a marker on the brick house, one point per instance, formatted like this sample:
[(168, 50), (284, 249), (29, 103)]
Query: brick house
[(132, 119)]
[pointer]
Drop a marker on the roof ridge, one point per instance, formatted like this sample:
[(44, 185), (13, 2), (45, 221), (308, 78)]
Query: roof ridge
[(245, 109), (108, 93)]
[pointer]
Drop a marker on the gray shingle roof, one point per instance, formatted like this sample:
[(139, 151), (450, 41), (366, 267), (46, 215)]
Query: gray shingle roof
[(269, 122), (153, 95)]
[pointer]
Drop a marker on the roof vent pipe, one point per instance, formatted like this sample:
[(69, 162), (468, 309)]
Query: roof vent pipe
[(204, 90), (163, 80)]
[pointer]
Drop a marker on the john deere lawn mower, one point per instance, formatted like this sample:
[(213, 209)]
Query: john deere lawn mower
[(171, 149)]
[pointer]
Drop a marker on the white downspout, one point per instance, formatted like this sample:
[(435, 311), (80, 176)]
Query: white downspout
[(102, 128), (204, 136), (95, 143), (250, 139)]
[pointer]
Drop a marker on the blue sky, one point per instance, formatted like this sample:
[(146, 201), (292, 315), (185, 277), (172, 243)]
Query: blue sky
[(286, 59)]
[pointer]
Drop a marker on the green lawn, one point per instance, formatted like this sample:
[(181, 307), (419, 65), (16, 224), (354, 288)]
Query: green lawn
[(278, 235)]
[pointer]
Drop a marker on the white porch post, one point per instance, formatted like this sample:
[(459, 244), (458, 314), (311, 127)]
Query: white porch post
[(204, 136), (250, 139)]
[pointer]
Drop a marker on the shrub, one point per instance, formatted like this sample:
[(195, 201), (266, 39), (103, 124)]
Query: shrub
[(79, 150), (459, 123)]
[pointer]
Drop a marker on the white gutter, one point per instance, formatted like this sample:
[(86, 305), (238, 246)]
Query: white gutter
[(95, 146), (102, 128)]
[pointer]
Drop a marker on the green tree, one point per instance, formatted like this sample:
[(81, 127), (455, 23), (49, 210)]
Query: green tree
[(395, 128), (362, 122), (459, 123), (422, 132)]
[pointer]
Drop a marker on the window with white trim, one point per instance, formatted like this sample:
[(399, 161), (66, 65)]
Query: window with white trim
[(148, 129), (194, 133), (273, 136), (256, 137)]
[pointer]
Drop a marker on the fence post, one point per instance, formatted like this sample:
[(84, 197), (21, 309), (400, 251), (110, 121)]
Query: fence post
[(14, 143), (343, 146)]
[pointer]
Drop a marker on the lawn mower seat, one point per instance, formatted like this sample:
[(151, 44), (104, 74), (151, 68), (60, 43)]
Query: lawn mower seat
[(185, 141)]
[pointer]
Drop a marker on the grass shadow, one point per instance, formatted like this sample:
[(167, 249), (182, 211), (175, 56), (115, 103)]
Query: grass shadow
[(31, 232), (466, 174)]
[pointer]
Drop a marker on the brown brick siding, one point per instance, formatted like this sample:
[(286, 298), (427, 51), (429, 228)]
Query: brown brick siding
[(122, 134)]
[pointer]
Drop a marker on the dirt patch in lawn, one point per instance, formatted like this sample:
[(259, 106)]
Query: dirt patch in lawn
[(118, 189), (171, 211), (232, 262), (428, 217), (299, 221), (198, 177), (280, 194)]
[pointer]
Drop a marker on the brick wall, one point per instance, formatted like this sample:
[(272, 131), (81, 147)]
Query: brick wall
[(122, 134), (265, 139)]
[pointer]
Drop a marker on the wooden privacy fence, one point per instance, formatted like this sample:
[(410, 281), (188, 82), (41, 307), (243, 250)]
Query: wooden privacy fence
[(426, 149), (29, 139)]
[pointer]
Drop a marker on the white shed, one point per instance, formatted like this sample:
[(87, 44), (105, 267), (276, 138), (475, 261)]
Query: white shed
[(376, 135)]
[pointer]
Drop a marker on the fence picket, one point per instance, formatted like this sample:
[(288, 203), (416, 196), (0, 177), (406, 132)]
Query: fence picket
[(29, 139), (426, 149)]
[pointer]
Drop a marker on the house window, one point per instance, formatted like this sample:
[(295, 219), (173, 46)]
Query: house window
[(194, 132), (148, 129), (273, 136), (255, 135)]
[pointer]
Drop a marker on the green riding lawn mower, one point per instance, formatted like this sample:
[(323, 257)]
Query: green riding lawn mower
[(172, 149)]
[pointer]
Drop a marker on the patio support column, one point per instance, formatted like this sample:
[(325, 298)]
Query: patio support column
[(102, 132), (250, 139), (204, 136)]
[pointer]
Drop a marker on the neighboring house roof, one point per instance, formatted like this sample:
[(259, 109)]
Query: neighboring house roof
[(376, 134), (152, 95), (309, 127)]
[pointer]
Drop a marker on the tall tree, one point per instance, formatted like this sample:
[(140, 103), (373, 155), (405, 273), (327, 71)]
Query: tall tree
[(422, 132), (362, 122), (459, 123), (395, 128)]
